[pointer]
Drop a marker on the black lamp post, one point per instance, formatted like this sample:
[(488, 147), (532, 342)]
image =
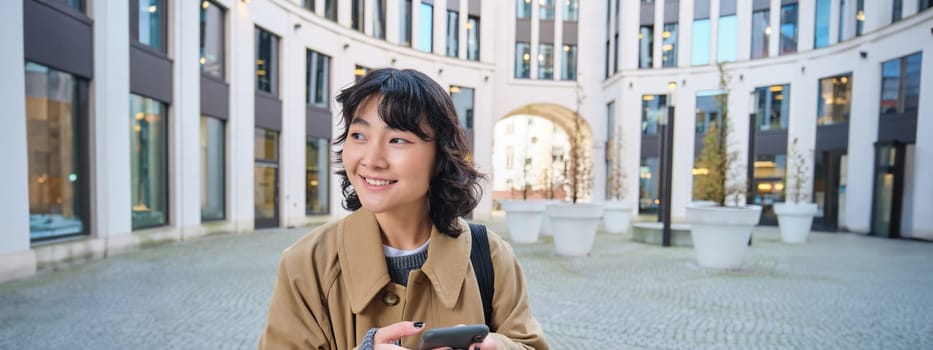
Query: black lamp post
[(667, 162)]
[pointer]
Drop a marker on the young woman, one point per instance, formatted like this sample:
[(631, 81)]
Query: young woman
[(400, 262)]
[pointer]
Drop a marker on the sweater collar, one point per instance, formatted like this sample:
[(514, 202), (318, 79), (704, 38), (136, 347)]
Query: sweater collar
[(359, 249)]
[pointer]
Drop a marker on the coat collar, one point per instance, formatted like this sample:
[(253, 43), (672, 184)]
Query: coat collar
[(359, 250)]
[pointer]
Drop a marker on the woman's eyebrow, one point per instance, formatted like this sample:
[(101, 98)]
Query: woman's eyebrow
[(359, 121)]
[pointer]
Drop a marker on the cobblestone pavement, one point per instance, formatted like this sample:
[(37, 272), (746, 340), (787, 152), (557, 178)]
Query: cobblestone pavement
[(838, 291)]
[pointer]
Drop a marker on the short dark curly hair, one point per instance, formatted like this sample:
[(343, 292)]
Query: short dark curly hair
[(411, 99)]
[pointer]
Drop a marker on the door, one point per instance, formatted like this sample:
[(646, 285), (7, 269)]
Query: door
[(888, 189), (828, 189), (266, 193)]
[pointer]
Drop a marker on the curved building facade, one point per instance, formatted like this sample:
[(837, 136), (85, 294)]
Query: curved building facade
[(160, 120)]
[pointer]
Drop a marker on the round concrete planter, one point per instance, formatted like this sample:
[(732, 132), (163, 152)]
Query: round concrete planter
[(720, 234), (524, 219), (795, 220), (574, 227), (618, 216)]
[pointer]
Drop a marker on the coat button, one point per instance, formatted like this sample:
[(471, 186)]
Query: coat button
[(390, 298)]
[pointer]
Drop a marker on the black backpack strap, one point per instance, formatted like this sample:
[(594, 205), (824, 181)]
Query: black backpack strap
[(482, 267)]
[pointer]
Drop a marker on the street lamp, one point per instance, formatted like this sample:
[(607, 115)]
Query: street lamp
[(667, 162)]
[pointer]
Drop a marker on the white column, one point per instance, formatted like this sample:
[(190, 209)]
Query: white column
[(806, 24), (743, 48), (464, 18), (877, 15), (656, 51), (682, 161), (923, 154), (440, 27), (802, 125), (393, 20), (628, 36), (909, 8), (368, 17), (344, 17), (16, 259), (863, 132), (535, 39), (774, 22), (685, 35), (713, 31), (110, 119), (558, 43), (292, 162), (241, 125), (833, 21), (415, 23), (185, 122)]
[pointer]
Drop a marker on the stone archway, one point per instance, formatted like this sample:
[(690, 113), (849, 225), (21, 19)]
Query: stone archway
[(535, 160)]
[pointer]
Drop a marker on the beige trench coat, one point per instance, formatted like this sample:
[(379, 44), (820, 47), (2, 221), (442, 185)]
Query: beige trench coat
[(333, 286)]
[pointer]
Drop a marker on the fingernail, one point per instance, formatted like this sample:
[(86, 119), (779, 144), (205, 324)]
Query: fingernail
[(419, 324)]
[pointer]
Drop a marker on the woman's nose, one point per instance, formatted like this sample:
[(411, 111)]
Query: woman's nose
[(374, 157)]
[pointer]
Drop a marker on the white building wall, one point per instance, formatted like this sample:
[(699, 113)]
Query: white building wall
[(185, 125)]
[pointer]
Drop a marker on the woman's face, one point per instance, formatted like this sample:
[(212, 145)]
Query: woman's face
[(389, 169)]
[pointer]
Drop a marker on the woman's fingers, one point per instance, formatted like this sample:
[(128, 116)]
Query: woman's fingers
[(392, 333)]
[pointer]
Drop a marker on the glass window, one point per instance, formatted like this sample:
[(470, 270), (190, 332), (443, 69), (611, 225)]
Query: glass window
[(615, 53), (379, 19), (522, 60), (308, 4), (359, 72), (645, 46), (859, 16), (267, 46), (266, 146), (700, 45), (266, 174), (842, 20), (900, 84), (318, 79), (472, 33), (788, 29), (608, 50), (834, 100), (149, 185), (760, 33), (55, 129), (453, 33), (317, 165), (546, 61), (463, 103), (357, 14), (151, 23), (523, 9), (897, 10), (569, 60), (213, 181), (653, 108), (330, 10), (404, 33), (708, 110), (571, 10), (924, 4), (727, 39), (669, 45), (821, 34), (212, 39), (75, 4), (648, 185), (773, 106), (769, 183), (546, 8), (426, 27)]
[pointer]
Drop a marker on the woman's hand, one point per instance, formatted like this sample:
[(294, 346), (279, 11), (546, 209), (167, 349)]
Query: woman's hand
[(386, 337)]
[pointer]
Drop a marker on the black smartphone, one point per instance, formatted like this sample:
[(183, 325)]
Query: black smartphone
[(457, 337)]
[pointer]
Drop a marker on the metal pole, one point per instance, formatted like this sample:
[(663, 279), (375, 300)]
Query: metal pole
[(668, 164)]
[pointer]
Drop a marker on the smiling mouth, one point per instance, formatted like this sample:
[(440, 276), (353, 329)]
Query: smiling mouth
[(378, 182)]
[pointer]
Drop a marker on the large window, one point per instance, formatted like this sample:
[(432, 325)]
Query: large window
[(648, 183), (760, 33), (842, 19), (404, 22), (769, 181), (669, 45), (773, 106), (708, 113), (653, 108), (56, 107), (357, 14), (821, 34), (859, 16), (317, 165), (569, 63), (453, 33), (708, 110), (546, 10), (330, 9), (546, 61), (148, 184), (834, 100), (645, 46), (571, 10), (472, 34), (150, 23), (788, 29), (267, 47), (701, 42), (897, 10), (426, 27), (213, 180), (318, 79), (308, 4), (523, 9), (75, 4), (727, 39), (266, 177), (212, 39), (522, 60), (463, 103), (900, 84), (379, 19)]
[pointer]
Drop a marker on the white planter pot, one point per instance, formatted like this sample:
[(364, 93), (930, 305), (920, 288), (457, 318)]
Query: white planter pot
[(795, 220), (618, 216), (524, 219), (720, 234), (574, 226), (546, 229)]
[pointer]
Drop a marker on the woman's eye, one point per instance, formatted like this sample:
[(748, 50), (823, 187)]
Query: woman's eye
[(357, 136), (398, 140)]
